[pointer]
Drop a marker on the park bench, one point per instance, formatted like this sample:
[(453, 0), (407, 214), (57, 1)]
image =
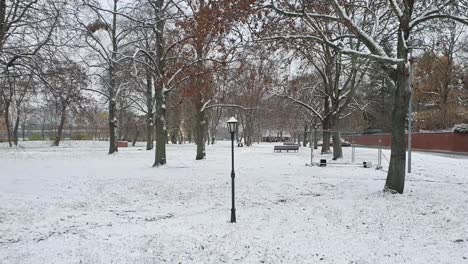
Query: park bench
[(287, 148)]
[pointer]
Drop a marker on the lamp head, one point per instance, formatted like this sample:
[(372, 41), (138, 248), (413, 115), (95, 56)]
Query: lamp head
[(232, 125)]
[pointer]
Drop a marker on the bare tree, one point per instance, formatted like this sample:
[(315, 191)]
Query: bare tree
[(65, 81), (373, 24), (25, 28), (105, 38)]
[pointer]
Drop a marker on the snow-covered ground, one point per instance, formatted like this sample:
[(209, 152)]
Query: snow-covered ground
[(76, 204)]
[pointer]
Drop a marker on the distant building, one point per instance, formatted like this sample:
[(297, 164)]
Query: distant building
[(275, 135)]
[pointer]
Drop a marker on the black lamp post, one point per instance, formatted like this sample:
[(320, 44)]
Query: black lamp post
[(232, 128)]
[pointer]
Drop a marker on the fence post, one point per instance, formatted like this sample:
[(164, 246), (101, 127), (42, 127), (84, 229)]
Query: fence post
[(311, 145), (379, 156)]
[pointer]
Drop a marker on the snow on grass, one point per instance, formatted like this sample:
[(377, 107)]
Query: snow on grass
[(76, 204)]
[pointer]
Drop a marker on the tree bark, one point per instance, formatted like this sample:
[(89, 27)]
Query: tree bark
[(315, 138), (63, 117), (325, 137), (336, 138), (149, 132), (149, 115), (159, 93), (112, 128), (325, 143), (137, 133), (7, 123), (396, 172), (306, 132), (23, 130), (161, 131), (113, 147), (337, 149), (200, 133), (15, 129), (120, 128), (43, 129), (181, 136)]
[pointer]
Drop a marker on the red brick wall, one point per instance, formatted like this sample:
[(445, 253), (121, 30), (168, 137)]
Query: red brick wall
[(447, 142), (122, 144)]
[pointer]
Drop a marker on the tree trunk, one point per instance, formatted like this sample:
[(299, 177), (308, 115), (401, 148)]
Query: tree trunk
[(325, 137), (248, 133), (325, 143), (120, 128), (159, 93), (174, 136), (161, 132), (23, 130), (112, 128), (113, 93), (396, 172), (325, 127), (63, 117), (336, 139), (213, 130), (200, 133), (315, 138), (137, 133), (337, 149), (149, 115), (306, 131), (15, 129), (7, 124), (43, 130), (181, 136), (125, 135), (149, 131)]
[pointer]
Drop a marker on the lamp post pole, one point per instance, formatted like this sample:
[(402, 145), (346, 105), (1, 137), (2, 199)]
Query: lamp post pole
[(233, 176), (232, 128)]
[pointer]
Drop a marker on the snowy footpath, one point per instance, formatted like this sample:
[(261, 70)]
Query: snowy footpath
[(76, 204)]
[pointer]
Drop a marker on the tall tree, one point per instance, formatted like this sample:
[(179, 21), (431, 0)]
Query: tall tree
[(206, 32), (26, 27), (65, 81), (374, 24), (105, 38)]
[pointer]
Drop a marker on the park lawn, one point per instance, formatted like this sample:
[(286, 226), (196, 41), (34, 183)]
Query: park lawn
[(76, 204)]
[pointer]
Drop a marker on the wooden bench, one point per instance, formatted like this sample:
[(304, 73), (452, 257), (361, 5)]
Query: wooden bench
[(287, 148)]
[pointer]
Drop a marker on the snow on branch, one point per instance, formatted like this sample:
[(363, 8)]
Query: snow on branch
[(206, 106), (377, 50), (307, 106), (396, 9), (438, 13), (460, 19), (301, 14)]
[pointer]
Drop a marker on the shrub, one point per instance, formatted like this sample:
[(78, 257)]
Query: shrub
[(35, 138), (81, 137), (461, 128)]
